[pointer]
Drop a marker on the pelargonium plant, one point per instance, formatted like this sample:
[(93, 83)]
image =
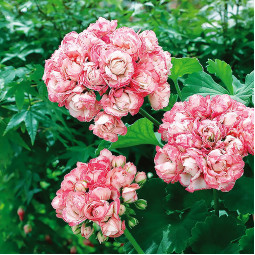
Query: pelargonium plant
[(207, 139), (96, 196), (104, 73)]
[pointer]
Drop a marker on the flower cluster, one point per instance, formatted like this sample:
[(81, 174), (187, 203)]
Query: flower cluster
[(95, 195), (105, 73), (207, 140)]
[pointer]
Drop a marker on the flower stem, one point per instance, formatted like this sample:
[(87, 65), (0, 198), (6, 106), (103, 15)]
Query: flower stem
[(132, 240), (149, 117), (178, 89), (216, 202)]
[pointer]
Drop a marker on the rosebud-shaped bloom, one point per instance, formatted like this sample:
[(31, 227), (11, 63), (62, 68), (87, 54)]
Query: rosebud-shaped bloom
[(143, 82), (118, 161), (127, 40), (168, 163), (27, 228), (210, 131), (141, 204), (116, 68), (108, 127), (81, 186), (21, 213), (113, 227), (159, 99), (71, 69), (129, 193), (198, 106), (140, 178), (101, 238), (184, 141), (73, 212), (150, 41), (120, 102), (101, 193), (119, 177), (223, 169), (220, 104), (194, 165), (103, 28), (86, 231), (91, 77), (83, 106), (96, 210), (246, 131)]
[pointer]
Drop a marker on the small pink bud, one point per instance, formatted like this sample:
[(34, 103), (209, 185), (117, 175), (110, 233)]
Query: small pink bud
[(81, 186), (21, 213), (73, 250), (76, 229), (86, 231), (140, 178), (88, 243), (122, 210), (27, 228), (132, 222), (141, 204)]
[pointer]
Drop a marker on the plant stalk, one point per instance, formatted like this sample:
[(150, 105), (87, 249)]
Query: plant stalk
[(178, 89), (132, 240), (216, 202), (149, 117)]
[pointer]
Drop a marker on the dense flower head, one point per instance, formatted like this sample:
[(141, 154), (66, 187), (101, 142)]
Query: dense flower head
[(207, 139), (99, 193), (104, 70)]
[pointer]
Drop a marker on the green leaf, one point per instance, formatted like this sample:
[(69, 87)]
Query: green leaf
[(201, 83), (216, 234), (153, 221), (241, 197), (19, 96), (141, 132), (223, 71), (16, 120), (247, 242), (182, 66), (16, 138), (31, 125), (180, 230)]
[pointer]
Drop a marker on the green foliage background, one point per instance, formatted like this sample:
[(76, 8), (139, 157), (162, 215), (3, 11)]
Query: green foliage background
[(40, 142)]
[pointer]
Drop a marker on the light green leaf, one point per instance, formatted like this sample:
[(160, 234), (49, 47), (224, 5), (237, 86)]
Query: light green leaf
[(141, 132), (201, 83), (31, 125), (16, 120), (216, 234), (182, 66), (223, 71)]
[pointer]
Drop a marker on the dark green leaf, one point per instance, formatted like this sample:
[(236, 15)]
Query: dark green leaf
[(216, 235), (31, 125), (247, 242), (16, 120), (19, 97), (241, 197)]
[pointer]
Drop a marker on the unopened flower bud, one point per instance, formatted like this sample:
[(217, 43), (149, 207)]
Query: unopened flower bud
[(27, 228), (140, 178), (21, 213), (119, 161), (73, 250), (132, 222), (141, 204), (76, 229), (122, 210), (101, 238), (86, 230)]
